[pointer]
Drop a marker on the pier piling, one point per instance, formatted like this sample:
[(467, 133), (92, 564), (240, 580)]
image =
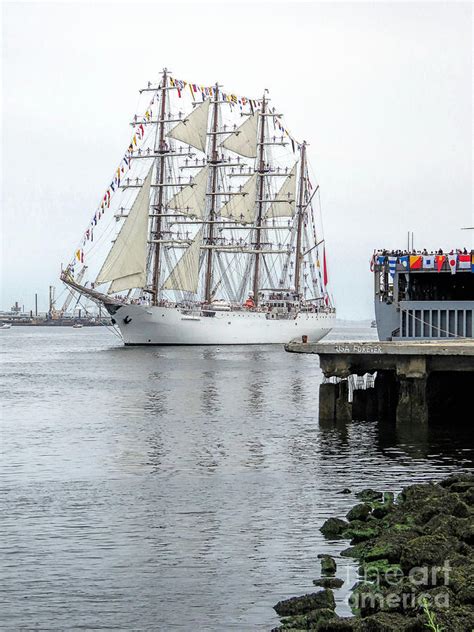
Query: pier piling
[(416, 382)]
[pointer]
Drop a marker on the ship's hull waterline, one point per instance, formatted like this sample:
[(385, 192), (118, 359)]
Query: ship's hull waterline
[(146, 325)]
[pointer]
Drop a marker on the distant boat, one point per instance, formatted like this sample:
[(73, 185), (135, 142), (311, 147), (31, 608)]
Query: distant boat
[(6, 326), (77, 326)]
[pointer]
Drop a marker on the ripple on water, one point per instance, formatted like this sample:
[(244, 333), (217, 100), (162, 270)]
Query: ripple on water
[(177, 488)]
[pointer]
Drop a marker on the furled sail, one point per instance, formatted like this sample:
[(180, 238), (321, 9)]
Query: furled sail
[(125, 264), (185, 275), (192, 198), (193, 129), (285, 206), (244, 140), (241, 207)]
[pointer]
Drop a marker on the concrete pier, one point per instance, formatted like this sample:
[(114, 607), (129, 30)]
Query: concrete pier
[(415, 381)]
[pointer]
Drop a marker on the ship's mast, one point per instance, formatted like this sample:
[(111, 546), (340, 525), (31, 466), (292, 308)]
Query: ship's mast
[(214, 160), (160, 178), (299, 229), (258, 223)]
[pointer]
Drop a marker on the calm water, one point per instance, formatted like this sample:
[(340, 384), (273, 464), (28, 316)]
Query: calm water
[(176, 488)]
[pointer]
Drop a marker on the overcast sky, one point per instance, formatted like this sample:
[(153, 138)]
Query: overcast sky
[(382, 92)]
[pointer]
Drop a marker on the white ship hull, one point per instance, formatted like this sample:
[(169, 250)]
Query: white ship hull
[(146, 325)]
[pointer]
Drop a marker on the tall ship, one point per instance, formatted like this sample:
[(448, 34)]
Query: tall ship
[(210, 232), (424, 296)]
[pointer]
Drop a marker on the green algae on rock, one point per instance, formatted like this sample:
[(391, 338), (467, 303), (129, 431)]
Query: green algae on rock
[(415, 556)]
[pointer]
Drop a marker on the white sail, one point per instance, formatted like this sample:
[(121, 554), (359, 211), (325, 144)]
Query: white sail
[(125, 264), (185, 275), (285, 207), (244, 140), (127, 283), (192, 198), (241, 207), (193, 129)]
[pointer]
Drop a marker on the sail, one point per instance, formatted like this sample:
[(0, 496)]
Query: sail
[(127, 282), (125, 264), (241, 207), (287, 195), (244, 140), (193, 129), (192, 198), (185, 275)]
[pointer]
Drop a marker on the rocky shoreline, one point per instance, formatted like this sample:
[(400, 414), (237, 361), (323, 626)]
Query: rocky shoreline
[(416, 564)]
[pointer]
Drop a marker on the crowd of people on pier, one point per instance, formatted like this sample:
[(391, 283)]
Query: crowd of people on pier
[(403, 253)]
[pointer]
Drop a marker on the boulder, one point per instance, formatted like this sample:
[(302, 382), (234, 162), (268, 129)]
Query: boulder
[(308, 621), (305, 603), (392, 622), (333, 527), (359, 512), (369, 495), (427, 550), (328, 582), (342, 624), (328, 564), (463, 477)]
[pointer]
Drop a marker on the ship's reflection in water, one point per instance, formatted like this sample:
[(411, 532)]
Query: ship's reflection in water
[(180, 488)]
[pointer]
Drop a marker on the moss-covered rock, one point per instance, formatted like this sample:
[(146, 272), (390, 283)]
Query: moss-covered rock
[(333, 527), (343, 624), (359, 512), (328, 565), (455, 619), (380, 571), (302, 605), (308, 621), (392, 622), (360, 534), (328, 582), (427, 550), (462, 477), (369, 495), (402, 548), (390, 551)]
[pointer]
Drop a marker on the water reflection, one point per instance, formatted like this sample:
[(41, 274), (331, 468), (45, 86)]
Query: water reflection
[(180, 488)]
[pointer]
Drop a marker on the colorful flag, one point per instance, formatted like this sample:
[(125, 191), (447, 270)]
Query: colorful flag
[(392, 265), (472, 264), (325, 268), (404, 261), (380, 260), (415, 262), (78, 255), (439, 262), (464, 262), (452, 260), (428, 262)]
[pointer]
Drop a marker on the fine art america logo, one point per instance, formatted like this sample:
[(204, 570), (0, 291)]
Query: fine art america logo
[(405, 590)]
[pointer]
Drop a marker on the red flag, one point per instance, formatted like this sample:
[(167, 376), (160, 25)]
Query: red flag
[(325, 268), (439, 262), (415, 262), (464, 262)]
